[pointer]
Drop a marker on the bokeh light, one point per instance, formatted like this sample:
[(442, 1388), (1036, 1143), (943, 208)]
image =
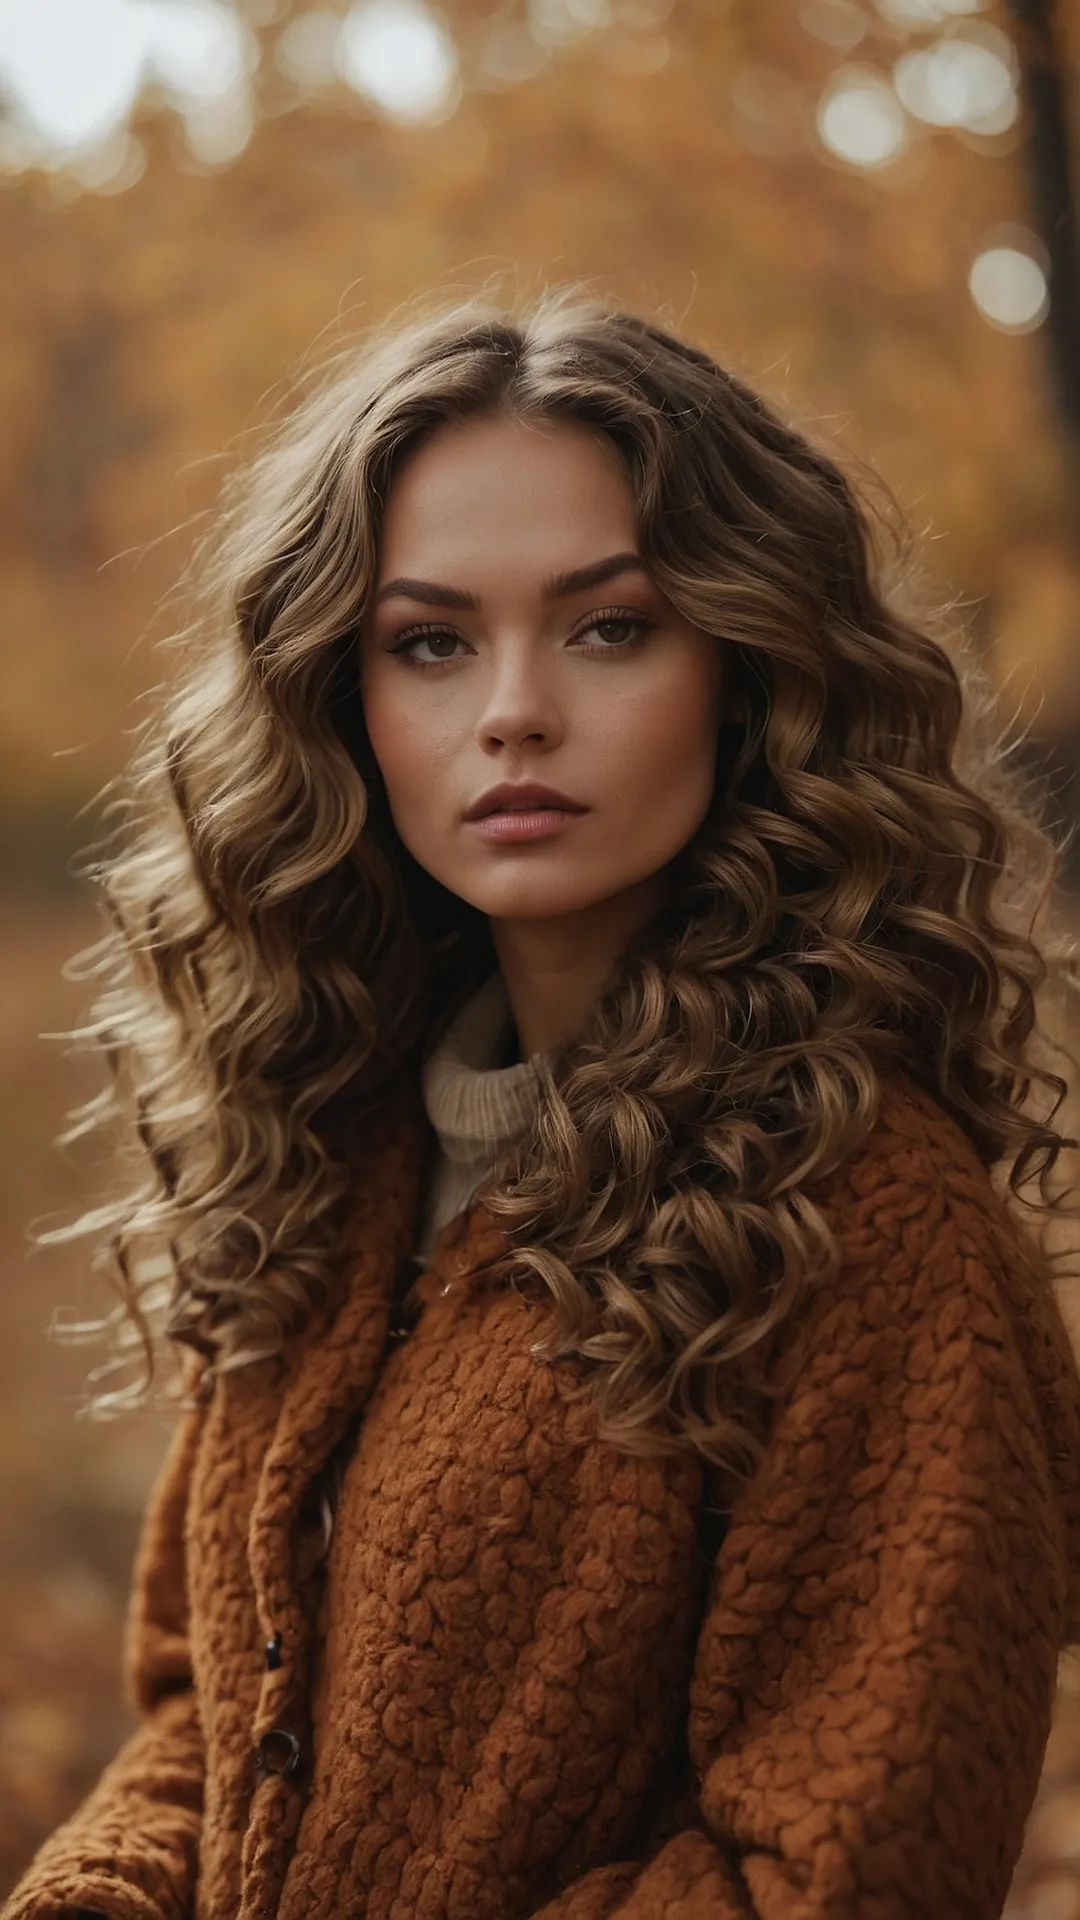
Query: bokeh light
[(860, 119), (73, 68), (401, 55), (965, 80), (1010, 289)]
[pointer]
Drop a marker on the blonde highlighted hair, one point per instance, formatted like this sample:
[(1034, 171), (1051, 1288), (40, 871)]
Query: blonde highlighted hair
[(865, 895)]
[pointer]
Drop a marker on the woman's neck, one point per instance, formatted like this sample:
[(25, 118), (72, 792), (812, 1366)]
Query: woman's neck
[(555, 968)]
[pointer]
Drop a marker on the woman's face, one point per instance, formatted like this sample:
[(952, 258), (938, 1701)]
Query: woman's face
[(481, 665)]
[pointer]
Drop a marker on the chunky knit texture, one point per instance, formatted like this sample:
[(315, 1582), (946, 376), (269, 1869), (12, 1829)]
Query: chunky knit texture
[(516, 1686)]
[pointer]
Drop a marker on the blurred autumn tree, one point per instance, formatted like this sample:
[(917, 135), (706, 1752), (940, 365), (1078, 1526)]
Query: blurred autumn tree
[(811, 188)]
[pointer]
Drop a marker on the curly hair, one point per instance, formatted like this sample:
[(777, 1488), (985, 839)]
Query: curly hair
[(866, 895)]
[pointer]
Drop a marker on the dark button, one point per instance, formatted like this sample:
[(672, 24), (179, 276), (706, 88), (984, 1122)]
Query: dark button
[(273, 1652), (278, 1752)]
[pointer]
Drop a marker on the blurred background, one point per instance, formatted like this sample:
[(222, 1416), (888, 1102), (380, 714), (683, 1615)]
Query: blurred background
[(866, 206)]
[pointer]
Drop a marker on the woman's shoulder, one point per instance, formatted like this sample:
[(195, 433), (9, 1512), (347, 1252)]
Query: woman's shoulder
[(932, 1275), (941, 1308), (916, 1168)]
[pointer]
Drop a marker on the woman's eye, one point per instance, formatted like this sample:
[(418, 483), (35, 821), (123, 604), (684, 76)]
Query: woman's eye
[(604, 622), (431, 637)]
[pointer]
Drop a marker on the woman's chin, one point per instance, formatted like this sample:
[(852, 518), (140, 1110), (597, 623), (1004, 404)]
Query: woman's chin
[(526, 897)]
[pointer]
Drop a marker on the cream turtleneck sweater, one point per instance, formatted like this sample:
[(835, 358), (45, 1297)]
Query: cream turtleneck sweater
[(478, 1109)]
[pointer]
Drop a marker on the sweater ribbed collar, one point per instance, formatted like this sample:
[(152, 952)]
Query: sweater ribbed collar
[(479, 1109)]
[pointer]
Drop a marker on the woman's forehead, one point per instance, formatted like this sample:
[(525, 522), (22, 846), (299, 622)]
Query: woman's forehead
[(551, 498)]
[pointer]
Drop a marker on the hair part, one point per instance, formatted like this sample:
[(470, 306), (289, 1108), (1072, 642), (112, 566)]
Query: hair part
[(869, 894)]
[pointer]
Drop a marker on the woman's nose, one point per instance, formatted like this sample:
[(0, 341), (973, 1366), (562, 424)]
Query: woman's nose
[(520, 700)]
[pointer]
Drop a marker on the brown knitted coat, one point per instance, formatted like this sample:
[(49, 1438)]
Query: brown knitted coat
[(514, 1687)]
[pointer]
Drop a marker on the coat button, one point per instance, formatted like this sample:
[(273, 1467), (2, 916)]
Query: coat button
[(273, 1653), (278, 1752)]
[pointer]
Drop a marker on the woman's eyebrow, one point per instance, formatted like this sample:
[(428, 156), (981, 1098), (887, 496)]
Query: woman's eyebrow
[(558, 587)]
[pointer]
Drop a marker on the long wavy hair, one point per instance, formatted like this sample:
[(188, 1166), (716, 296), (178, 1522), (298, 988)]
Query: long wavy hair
[(866, 895)]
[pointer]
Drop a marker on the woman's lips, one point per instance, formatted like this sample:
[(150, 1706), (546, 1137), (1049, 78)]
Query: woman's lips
[(537, 823)]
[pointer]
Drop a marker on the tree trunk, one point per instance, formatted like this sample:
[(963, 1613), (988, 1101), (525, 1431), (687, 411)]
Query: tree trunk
[(1052, 167)]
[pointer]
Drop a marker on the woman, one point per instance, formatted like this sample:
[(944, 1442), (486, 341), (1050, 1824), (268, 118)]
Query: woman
[(630, 1456)]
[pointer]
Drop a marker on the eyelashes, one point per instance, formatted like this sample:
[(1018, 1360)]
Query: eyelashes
[(608, 616)]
